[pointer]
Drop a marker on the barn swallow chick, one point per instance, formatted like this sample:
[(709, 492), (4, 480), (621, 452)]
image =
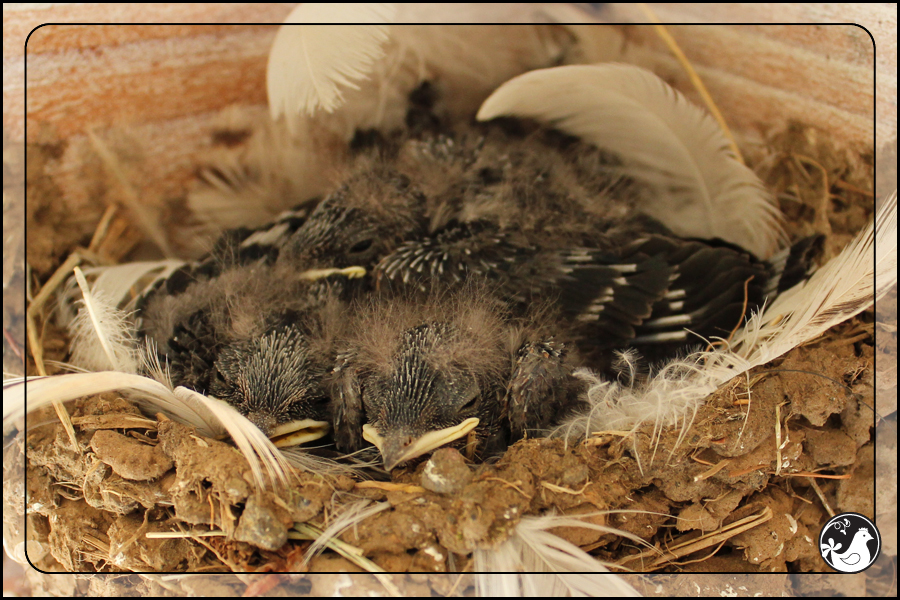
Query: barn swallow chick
[(415, 376), (374, 210), (244, 326), (538, 225), (656, 292)]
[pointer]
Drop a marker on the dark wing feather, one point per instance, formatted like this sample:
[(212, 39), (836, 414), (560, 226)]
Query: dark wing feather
[(347, 412)]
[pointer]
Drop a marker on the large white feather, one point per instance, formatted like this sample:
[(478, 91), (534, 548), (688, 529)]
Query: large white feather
[(41, 391), (211, 417), (699, 189), (310, 66), (465, 63)]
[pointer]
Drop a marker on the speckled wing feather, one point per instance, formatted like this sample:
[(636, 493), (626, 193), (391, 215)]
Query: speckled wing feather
[(653, 290)]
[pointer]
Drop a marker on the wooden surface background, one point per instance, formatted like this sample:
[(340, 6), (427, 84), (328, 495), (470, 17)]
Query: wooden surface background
[(80, 75)]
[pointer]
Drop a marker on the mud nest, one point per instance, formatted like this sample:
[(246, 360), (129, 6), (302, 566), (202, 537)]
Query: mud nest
[(747, 489)]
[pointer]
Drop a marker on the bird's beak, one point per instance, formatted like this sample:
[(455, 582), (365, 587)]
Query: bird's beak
[(349, 273), (298, 432), (398, 448)]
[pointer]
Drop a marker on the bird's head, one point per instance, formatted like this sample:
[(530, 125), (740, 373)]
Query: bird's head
[(358, 223), (417, 406), (429, 373), (273, 380)]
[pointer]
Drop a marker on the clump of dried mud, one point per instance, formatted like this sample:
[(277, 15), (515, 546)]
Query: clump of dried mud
[(92, 507)]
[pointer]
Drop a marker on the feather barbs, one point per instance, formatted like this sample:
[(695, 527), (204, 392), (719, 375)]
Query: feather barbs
[(698, 187), (310, 65)]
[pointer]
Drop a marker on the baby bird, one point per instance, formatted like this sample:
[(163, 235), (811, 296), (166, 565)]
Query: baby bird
[(656, 291), (245, 326), (415, 375), (531, 215)]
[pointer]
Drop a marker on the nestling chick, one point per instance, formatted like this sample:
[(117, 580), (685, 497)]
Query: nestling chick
[(243, 325), (414, 376), (541, 223), (651, 290), (374, 210)]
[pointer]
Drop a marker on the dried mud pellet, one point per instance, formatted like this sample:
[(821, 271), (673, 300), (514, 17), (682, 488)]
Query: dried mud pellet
[(446, 472), (130, 458)]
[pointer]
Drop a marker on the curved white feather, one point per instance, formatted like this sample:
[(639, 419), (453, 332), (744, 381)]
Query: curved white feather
[(311, 64), (211, 417), (41, 391), (698, 187)]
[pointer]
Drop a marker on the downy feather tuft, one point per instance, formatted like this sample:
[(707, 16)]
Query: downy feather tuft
[(310, 66), (698, 187), (102, 335), (669, 398)]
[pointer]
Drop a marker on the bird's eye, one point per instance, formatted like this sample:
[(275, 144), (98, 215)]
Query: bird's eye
[(361, 246), (219, 377), (470, 404)]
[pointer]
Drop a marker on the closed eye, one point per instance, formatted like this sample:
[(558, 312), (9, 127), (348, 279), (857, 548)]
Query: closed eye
[(470, 404), (361, 246), (219, 377)]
